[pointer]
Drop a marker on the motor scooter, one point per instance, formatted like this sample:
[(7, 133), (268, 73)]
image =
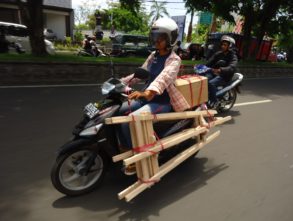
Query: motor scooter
[(82, 162), (226, 94)]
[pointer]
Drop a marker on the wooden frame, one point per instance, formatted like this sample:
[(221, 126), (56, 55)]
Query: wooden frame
[(142, 135)]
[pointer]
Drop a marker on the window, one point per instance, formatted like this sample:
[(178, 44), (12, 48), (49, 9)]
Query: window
[(17, 31)]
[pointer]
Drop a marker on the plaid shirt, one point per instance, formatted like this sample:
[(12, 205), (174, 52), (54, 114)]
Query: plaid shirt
[(165, 80)]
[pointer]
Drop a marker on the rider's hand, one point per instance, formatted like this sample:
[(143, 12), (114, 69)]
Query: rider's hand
[(216, 71), (148, 95)]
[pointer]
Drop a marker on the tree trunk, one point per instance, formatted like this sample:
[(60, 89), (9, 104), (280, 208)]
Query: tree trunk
[(214, 24), (290, 55), (32, 14), (189, 34), (247, 28)]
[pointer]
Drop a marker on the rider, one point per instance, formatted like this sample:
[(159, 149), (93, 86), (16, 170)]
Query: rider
[(86, 45), (223, 65), (160, 94)]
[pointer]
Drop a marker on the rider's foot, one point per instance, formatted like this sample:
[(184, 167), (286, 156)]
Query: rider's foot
[(130, 170), (213, 105)]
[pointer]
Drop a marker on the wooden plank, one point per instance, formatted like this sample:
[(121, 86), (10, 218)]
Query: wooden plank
[(122, 156), (134, 144), (167, 143), (149, 129), (203, 123), (219, 121), (160, 117), (139, 135), (123, 193), (170, 165), (196, 123)]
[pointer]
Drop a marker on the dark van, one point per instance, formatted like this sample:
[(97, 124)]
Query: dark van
[(131, 45)]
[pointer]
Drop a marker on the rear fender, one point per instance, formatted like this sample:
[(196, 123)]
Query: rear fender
[(237, 88)]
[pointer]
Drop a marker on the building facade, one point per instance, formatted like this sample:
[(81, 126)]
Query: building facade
[(58, 15)]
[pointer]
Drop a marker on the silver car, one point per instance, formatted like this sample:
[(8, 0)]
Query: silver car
[(17, 34)]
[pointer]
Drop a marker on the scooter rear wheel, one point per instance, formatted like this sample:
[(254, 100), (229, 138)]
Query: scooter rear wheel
[(227, 101)]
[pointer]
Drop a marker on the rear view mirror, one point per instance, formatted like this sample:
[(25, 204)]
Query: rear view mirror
[(141, 73)]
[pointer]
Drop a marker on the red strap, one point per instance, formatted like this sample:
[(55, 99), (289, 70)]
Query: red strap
[(210, 118), (157, 137), (200, 90), (144, 148), (187, 78)]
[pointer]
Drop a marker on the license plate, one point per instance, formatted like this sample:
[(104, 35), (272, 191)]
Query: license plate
[(91, 110)]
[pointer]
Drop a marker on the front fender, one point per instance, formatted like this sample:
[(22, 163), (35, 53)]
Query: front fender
[(74, 144)]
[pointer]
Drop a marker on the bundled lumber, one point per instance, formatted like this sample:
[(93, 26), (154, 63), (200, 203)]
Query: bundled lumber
[(146, 147)]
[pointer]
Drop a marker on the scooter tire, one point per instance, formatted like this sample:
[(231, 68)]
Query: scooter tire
[(59, 184), (232, 99)]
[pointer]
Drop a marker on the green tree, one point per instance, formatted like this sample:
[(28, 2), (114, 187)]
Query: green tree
[(190, 9), (200, 34), (258, 14), (30, 11), (131, 5), (83, 11), (158, 9), (123, 20), (284, 36)]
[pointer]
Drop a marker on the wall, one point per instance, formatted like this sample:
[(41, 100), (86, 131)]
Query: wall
[(26, 73), (57, 23)]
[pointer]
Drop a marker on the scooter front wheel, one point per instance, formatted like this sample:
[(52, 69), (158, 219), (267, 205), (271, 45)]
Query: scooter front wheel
[(79, 171)]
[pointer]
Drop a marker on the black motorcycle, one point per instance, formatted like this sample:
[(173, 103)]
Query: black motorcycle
[(82, 162)]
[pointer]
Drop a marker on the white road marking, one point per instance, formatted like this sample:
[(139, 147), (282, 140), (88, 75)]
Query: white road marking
[(251, 103)]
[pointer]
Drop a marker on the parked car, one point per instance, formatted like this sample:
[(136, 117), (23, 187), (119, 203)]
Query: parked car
[(131, 45), (49, 34), (17, 34)]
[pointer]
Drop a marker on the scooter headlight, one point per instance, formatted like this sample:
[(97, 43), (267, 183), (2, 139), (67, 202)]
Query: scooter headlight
[(107, 87)]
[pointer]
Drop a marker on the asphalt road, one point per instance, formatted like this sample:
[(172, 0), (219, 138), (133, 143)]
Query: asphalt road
[(244, 175)]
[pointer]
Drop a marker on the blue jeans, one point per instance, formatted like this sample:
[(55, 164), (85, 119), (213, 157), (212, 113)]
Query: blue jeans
[(135, 108), (213, 82)]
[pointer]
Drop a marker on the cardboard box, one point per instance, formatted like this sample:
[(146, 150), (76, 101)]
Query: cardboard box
[(193, 88)]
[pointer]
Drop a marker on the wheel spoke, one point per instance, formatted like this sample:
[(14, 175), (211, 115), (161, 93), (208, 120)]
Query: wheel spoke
[(72, 178), (70, 164), (83, 160), (84, 180)]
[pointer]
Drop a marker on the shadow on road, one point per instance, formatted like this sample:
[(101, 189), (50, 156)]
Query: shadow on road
[(184, 180)]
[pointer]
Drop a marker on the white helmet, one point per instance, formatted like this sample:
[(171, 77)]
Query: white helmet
[(228, 39), (164, 27)]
